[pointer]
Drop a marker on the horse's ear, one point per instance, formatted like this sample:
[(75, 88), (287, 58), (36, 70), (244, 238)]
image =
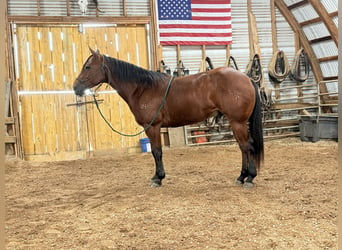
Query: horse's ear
[(93, 52)]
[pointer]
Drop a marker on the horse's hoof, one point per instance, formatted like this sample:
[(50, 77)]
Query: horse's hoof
[(155, 183), (248, 184), (238, 182)]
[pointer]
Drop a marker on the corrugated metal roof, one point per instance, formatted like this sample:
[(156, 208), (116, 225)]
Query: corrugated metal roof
[(304, 13), (330, 5), (317, 30), (325, 49)]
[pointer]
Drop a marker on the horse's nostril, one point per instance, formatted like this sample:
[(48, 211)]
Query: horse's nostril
[(78, 90)]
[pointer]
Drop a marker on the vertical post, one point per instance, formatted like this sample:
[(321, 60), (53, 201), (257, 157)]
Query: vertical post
[(38, 4), (250, 36), (275, 48), (298, 46), (227, 54), (156, 49), (3, 15), (274, 27), (68, 7), (124, 8), (340, 128), (178, 59), (204, 55)]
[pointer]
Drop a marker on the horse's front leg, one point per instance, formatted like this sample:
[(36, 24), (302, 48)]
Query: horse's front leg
[(154, 135)]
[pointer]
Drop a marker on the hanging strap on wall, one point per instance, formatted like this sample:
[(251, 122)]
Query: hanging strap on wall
[(254, 70), (163, 68), (180, 70), (210, 64), (300, 67), (279, 68), (232, 63)]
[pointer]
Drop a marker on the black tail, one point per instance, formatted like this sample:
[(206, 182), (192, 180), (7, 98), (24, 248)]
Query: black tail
[(255, 130)]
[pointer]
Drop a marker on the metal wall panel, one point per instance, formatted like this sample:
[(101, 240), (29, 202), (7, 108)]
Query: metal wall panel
[(53, 8), (59, 8), (22, 8), (138, 7)]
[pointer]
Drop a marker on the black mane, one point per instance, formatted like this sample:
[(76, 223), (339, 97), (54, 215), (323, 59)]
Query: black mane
[(130, 73)]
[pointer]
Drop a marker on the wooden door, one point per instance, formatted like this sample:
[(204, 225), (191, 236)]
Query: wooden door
[(48, 59)]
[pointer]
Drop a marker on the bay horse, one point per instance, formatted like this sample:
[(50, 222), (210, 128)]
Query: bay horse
[(190, 99)]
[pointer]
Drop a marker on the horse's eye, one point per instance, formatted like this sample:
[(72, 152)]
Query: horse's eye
[(87, 67)]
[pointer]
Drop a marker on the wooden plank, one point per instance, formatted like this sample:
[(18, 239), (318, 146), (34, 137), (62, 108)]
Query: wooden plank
[(65, 117), (57, 58), (51, 54), (176, 137), (10, 139), (77, 129), (27, 125), (38, 102), (26, 119), (32, 83), (142, 47), (58, 20), (9, 120)]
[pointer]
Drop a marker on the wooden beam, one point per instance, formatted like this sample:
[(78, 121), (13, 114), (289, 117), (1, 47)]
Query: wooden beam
[(3, 70), (321, 39), (157, 51), (39, 9), (80, 19), (323, 13), (298, 4), (318, 19), (274, 27), (124, 7), (10, 139), (9, 120), (328, 58), (330, 78), (68, 7), (250, 39)]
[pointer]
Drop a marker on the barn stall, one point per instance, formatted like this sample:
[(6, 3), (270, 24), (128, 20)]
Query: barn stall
[(289, 48)]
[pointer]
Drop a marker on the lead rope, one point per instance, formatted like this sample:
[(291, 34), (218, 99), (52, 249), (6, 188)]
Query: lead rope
[(148, 125)]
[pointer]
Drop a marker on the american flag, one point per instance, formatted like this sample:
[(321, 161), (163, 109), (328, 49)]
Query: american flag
[(194, 22)]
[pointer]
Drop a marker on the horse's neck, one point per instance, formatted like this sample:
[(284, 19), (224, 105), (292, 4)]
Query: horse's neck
[(127, 91)]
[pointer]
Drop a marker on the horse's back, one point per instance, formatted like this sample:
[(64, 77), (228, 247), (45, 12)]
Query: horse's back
[(231, 77)]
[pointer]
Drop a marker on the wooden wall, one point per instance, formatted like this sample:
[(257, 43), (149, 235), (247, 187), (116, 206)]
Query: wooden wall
[(48, 60)]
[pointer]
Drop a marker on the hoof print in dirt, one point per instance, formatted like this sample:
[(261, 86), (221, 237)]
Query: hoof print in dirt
[(155, 183), (238, 183), (248, 185)]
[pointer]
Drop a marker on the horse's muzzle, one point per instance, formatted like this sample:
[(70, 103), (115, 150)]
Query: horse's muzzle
[(79, 89)]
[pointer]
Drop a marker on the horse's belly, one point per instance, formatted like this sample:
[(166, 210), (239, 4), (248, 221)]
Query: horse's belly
[(187, 115)]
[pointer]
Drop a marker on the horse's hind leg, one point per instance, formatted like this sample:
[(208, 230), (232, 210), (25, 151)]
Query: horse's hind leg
[(248, 169)]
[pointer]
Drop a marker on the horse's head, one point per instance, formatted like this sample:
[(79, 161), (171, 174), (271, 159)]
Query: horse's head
[(92, 73)]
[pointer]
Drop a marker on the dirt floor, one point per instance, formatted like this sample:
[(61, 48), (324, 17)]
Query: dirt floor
[(106, 202)]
